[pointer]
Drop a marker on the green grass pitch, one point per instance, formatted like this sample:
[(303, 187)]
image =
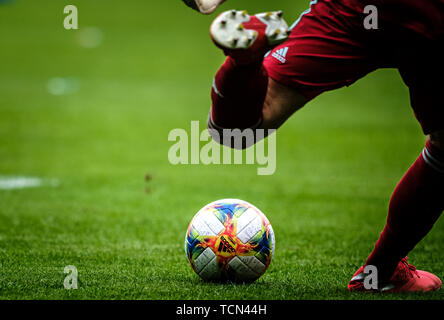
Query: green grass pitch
[(338, 161)]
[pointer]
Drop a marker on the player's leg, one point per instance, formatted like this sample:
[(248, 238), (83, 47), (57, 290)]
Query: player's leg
[(280, 103), (418, 200), (321, 54), (243, 95), (415, 206)]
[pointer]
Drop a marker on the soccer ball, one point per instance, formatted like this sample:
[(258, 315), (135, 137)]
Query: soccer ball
[(231, 240)]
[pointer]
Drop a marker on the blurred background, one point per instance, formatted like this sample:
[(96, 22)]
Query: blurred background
[(84, 172)]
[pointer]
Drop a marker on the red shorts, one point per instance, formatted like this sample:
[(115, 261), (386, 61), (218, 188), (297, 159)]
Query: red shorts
[(329, 48)]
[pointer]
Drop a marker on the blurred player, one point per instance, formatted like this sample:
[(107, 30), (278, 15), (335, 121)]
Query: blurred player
[(329, 47)]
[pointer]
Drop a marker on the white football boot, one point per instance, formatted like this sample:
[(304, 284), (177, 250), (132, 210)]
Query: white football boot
[(247, 38)]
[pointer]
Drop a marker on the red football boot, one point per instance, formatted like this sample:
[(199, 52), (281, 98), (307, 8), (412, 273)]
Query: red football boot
[(405, 279), (248, 38)]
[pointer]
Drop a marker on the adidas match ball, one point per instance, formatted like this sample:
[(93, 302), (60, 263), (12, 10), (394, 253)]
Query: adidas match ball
[(231, 240)]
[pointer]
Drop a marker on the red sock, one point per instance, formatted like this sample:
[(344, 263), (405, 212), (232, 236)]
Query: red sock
[(238, 95), (416, 204)]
